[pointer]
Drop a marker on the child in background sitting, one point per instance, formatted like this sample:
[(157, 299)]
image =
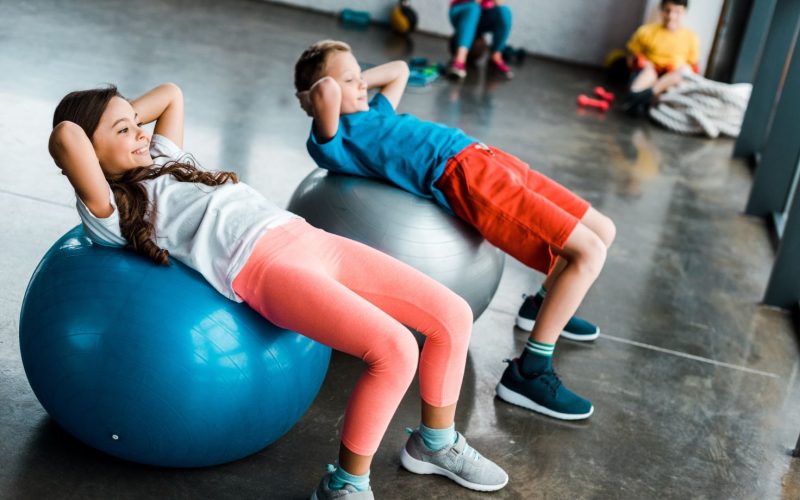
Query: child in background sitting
[(659, 53)]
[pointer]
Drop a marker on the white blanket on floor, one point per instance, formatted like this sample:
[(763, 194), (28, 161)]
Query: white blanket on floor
[(702, 106)]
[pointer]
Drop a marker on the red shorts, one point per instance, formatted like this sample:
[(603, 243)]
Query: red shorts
[(519, 210)]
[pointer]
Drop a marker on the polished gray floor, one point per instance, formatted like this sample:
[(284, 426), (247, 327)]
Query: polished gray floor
[(694, 383)]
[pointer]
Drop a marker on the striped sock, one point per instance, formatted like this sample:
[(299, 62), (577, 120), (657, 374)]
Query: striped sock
[(537, 357)]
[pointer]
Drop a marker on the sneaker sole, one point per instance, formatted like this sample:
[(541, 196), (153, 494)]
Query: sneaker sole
[(527, 325), (518, 399), (419, 467)]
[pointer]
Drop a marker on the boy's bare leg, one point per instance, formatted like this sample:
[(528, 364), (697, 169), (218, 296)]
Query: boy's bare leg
[(601, 225), (584, 255), (529, 380)]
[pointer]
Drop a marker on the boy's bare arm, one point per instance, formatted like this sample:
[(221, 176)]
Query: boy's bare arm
[(164, 105), (390, 77), (74, 155), (325, 97)]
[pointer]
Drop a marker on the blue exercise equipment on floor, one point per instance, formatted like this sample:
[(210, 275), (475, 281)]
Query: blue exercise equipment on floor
[(151, 364)]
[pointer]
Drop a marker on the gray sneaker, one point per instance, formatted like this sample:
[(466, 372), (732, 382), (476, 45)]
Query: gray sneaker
[(459, 461), (349, 492)]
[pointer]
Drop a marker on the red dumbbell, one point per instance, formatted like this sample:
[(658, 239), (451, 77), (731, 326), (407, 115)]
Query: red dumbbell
[(586, 101), (604, 94)]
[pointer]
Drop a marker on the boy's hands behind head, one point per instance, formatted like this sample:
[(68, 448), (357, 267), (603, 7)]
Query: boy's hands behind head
[(305, 102), (305, 96)]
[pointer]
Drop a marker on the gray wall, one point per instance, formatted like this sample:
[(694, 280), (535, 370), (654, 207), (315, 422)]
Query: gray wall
[(581, 31)]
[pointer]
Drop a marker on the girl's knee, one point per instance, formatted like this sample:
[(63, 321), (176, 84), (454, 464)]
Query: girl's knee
[(458, 319), (397, 354)]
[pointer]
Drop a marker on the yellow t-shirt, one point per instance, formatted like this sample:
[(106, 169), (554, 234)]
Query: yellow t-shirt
[(665, 48)]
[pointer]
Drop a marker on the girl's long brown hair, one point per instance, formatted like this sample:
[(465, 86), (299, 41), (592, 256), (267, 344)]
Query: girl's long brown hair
[(84, 108)]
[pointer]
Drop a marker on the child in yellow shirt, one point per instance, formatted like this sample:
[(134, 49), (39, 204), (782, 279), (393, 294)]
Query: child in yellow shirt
[(659, 52)]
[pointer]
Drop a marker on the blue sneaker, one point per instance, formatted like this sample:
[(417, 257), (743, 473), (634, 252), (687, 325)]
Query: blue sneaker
[(542, 393), (576, 328)]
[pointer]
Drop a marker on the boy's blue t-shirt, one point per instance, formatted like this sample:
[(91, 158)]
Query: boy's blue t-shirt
[(402, 149)]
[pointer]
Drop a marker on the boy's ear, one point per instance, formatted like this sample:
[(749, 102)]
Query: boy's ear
[(304, 97)]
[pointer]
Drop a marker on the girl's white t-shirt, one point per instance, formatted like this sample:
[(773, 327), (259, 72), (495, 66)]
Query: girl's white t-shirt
[(211, 229)]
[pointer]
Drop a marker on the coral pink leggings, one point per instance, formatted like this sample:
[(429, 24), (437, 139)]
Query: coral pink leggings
[(356, 300)]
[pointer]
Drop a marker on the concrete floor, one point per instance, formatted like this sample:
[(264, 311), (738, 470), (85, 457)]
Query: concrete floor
[(694, 383)]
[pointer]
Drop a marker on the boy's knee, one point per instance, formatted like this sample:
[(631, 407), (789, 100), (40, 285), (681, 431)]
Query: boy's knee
[(608, 231), (612, 233), (591, 255)]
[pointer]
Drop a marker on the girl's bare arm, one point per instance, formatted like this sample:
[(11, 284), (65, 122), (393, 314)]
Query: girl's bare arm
[(74, 155), (164, 105)]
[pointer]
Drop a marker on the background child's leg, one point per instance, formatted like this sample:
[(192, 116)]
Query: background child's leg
[(496, 20), (646, 78), (464, 18), (666, 82)]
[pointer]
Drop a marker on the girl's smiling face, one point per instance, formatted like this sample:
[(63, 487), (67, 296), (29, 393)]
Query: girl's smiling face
[(119, 141)]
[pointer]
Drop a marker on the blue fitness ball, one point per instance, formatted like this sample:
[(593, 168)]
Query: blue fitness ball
[(150, 364)]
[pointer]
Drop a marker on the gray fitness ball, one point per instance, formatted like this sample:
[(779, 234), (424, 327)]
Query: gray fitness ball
[(407, 227)]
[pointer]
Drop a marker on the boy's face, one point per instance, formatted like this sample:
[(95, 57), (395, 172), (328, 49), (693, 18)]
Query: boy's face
[(343, 67), (672, 16)]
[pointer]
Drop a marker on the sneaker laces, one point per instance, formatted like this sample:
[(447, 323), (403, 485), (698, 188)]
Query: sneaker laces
[(551, 379), (471, 452)]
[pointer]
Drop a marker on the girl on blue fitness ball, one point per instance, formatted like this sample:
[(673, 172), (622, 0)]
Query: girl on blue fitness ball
[(146, 193)]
